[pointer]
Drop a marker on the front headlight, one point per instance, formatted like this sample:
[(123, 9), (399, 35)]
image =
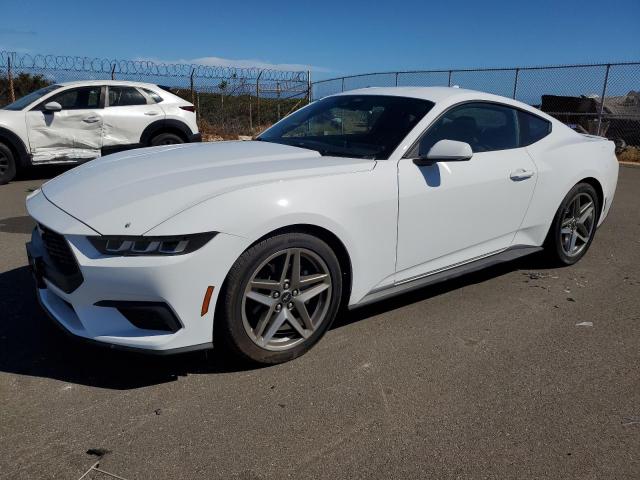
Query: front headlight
[(161, 246)]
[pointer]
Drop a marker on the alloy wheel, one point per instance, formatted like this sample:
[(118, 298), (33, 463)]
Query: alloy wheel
[(286, 299), (578, 224)]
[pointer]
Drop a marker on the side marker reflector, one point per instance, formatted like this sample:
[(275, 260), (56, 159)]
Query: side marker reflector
[(206, 300)]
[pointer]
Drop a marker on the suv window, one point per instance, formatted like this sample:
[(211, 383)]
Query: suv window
[(484, 126), (156, 98), (76, 98), (532, 128), (125, 96)]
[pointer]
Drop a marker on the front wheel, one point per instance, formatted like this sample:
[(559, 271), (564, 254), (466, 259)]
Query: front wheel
[(7, 164), (280, 298), (574, 225)]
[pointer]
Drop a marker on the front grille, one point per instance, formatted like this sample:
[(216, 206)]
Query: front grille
[(61, 267), (59, 251)]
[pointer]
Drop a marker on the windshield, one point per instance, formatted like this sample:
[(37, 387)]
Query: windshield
[(30, 98), (360, 126)]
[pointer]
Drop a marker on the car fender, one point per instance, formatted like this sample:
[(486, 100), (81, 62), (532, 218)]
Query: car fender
[(17, 145), (360, 209), (168, 123), (563, 161)]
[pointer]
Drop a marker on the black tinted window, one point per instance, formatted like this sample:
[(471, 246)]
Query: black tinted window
[(532, 128), (77, 98), (124, 96), (484, 126)]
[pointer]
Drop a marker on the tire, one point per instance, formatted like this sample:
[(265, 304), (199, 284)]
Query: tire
[(165, 139), (260, 306), (573, 222), (7, 164)]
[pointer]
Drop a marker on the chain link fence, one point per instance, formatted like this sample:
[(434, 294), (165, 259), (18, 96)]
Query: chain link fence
[(601, 99), (229, 101)]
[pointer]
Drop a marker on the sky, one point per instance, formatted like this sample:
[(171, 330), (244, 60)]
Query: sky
[(330, 37)]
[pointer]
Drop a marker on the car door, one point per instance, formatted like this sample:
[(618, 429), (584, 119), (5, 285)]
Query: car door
[(127, 113), (71, 134), (454, 212)]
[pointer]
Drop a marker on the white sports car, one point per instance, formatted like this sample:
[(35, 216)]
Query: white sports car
[(354, 198)]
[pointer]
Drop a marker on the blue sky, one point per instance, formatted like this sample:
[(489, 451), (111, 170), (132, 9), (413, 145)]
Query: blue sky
[(332, 37)]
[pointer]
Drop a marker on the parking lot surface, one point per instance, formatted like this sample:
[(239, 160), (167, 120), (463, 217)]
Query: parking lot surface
[(519, 371)]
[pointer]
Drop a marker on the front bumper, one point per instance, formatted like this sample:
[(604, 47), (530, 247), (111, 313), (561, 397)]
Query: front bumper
[(91, 310)]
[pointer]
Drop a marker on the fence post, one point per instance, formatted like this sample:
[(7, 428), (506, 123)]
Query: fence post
[(515, 83), (449, 83), (397, 78), (193, 94), (258, 99), (604, 93), (12, 93), (309, 86), (278, 96), (343, 84), (113, 71)]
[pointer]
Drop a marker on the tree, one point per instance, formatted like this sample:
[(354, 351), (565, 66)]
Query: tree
[(23, 84)]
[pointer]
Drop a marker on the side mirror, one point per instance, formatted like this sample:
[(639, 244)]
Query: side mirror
[(446, 151), (52, 107)]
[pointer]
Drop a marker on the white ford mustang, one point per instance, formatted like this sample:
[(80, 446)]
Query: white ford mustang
[(350, 200)]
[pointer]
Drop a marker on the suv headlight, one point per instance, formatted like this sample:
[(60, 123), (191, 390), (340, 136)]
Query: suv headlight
[(160, 246)]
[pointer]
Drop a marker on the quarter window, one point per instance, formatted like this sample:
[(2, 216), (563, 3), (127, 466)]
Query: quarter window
[(532, 128), (77, 98), (125, 96), (486, 127), (154, 96)]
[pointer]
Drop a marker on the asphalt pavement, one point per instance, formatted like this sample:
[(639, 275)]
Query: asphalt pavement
[(519, 371)]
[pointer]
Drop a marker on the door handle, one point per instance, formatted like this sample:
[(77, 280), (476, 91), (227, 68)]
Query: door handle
[(520, 174), (92, 119), (151, 113)]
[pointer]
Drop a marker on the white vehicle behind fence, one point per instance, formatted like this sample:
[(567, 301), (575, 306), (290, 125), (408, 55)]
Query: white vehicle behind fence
[(78, 121)]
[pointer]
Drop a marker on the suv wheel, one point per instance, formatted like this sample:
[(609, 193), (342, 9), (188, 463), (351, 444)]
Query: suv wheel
[(280, 298), (165, 139), (7, 164)]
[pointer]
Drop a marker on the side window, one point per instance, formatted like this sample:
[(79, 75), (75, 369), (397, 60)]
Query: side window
[(484, 126), (77, 98), (532, 128), (125, 96), (156, 98)]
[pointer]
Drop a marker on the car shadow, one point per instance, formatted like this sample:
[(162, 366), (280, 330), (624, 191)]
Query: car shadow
[(30, 343), (43, 172)]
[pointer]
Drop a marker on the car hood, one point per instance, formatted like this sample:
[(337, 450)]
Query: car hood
[(132, 192)]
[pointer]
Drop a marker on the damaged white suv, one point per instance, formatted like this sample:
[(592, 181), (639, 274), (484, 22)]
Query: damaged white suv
[(78, 121)]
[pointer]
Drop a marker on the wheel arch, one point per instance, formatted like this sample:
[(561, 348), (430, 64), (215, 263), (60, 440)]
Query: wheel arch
[(597, 186), (165, 126), (330, 238), (16, 145)]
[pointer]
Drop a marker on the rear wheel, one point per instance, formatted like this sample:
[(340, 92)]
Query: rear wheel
[(165, 139), (574, 225), (7, 164), (281, 296)]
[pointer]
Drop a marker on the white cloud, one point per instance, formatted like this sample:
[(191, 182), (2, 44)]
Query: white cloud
[(232, 63)]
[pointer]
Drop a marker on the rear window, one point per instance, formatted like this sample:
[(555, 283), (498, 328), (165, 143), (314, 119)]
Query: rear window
[(532, 128)]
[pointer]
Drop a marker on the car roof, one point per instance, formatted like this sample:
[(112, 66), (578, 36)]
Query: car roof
[(108, 82), (447, 95)]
